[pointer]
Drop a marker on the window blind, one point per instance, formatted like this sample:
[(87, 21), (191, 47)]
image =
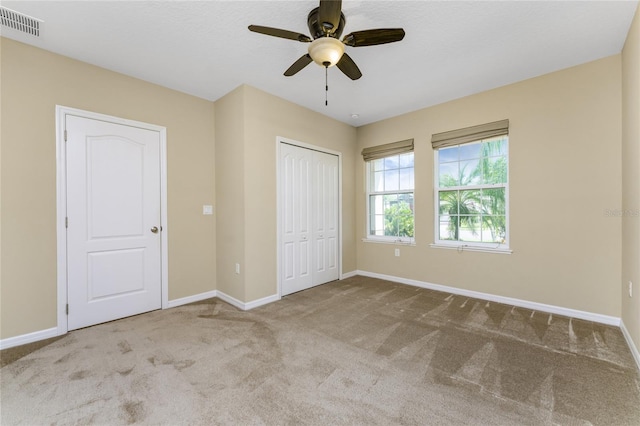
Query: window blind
[(470, 134), (386, 150)]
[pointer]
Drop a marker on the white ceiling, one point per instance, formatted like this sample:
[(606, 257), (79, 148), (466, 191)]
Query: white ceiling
[(451, 48)]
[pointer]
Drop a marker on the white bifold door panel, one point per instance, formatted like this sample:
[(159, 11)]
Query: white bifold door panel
[(113, 212), (309, 218)]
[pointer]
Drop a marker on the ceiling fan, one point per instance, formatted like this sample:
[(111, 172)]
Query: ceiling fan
[(326, 23)]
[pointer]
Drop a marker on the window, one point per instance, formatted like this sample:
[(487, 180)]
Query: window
[(390, 195), (471, 192)]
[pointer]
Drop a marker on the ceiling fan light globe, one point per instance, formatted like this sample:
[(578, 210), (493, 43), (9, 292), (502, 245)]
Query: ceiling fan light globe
[(326, 51)]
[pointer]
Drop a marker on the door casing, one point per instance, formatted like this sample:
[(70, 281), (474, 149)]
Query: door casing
[(280, 206), (61, 202)]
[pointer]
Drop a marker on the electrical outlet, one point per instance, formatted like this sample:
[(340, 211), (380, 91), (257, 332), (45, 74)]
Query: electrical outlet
[(237, 268), (630, 289), (397, 252)]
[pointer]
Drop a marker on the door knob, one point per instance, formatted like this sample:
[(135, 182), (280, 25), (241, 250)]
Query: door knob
[(154, 229)]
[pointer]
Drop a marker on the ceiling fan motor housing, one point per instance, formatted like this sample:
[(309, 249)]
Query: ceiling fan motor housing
[(317, 29)]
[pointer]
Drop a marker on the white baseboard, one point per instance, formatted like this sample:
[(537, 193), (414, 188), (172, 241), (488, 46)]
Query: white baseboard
[(558, 310), (632, 345), (191, 299), (23, 339), (248, 305), (348, 275)]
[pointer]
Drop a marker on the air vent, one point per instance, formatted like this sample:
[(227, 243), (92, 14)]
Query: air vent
[(20, 22)]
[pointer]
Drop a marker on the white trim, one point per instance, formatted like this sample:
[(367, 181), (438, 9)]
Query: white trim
[(248, 305), (558, 310), (164, 223), (61, 213), (389, 240), (280, 140), (61, 203), (260, 302), (23, 339), (466, 247), (632, 346), (190, 299), (348, 275)]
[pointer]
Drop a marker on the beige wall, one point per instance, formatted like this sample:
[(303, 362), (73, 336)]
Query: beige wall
[(564, 154), (264, 118), (631, 180), (567, 252), (230, 205), (33, 83)]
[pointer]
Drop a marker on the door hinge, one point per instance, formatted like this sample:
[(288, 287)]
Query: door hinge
[(67, 309), (66, 222), (65, 135)]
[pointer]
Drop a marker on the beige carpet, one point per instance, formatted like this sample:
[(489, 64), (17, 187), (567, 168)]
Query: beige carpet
[(358, 351)]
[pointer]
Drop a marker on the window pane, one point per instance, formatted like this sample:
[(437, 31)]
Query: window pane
[(378, 182), (494, 170), (377, 164), (493, 201), (448, 227), (398, 215), (493, 229), (406, 179), (406, 160), (470, 172), (448, 175), (446, 155), (470, 228), (494, 147), (391, 162), (376, 215), (470, 201), (448, 202), (389, 202), (391, 180), (470, 151)]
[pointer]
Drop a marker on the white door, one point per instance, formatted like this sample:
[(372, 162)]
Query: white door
[(113, 212), (325, 220), (309, 218)]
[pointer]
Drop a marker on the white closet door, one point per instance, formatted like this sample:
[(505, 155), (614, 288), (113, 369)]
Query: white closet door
[(295, 169), (325, 220), (309, 218)]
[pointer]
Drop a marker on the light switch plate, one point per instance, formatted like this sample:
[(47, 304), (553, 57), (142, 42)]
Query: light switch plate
[(207, 209)]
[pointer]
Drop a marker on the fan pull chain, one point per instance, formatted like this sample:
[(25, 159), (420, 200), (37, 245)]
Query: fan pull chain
[(326, 85)]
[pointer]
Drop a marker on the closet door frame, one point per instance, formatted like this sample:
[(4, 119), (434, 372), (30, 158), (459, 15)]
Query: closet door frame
[(280, 203)]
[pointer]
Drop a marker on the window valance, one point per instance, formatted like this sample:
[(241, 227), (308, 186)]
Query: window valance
[(470, 134), (381, 151)]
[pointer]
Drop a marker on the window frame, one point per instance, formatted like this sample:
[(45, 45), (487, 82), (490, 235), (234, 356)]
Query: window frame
[(471, 245), (368, 193)]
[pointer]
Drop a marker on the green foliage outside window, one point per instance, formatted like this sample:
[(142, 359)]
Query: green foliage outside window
[(398, 220)]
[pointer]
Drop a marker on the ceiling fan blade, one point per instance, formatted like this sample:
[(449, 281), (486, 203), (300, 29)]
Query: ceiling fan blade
[(329, 15), (348, 67), (298, 65), (373, 37), (277, 32)]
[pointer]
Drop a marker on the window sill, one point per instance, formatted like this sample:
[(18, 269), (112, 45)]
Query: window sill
[(465, 247), (384, 241)]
